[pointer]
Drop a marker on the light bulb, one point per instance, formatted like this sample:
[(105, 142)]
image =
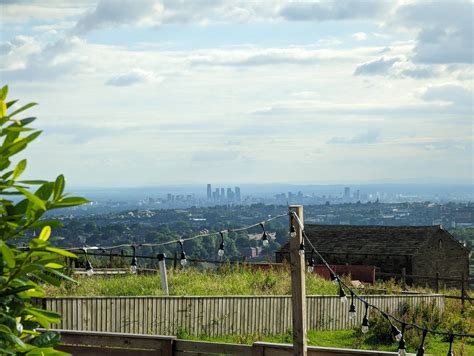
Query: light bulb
[(310, 269), (365, 323), (183, 262), (292, 231), (133, 268), (365, 329), (301, 250), (398, 336), (352, 311), (220, 252), (90, 272), (343, 299), (265, 242), (402, 352)]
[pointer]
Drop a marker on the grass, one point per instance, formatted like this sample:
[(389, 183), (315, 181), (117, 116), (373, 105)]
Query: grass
[(226, 281), (435, 345)]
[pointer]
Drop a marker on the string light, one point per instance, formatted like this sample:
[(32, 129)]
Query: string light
[(220, 252), (301, 250), (397, 334), (342, 294), (89, 269), (451, 339), (334, 278), (421, 349), (183, 261), (292, 226), (265, 241), (134, 262), (352, 308), (365, 320), (311, 262), (401, 344)]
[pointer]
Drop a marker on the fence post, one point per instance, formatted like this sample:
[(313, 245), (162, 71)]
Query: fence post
[(298, 290), (404, 278), (164, 278), (175, 260), (437, 282)]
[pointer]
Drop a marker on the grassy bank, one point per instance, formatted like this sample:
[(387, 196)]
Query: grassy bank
[(435, 345), (226, 281)]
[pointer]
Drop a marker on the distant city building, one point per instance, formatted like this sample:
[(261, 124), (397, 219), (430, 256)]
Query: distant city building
[(222, 194), (237, 193), (347, 192), (209, 192)]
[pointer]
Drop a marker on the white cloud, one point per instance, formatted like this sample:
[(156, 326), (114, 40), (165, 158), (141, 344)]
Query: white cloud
[(449, 93), (134, 76), (359, 36)]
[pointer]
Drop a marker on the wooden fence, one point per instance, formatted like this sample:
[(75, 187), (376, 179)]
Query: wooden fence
[(81, 343), (214, 316)]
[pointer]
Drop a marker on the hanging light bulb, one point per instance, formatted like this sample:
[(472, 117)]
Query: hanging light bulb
[(396, 333), (301, 250), (292, 227), (401, 344), (134, 262), (334, 278), (421, 349), (183, 261), (352, 308), (342, 294), (450, 351), (311, 262), (220, 252), (265, 241), (89, 269), (365, 320)]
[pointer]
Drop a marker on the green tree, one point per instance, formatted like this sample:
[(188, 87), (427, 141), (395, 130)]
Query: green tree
[(25, 270)]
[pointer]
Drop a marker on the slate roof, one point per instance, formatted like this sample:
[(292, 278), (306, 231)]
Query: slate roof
[(354, 239)]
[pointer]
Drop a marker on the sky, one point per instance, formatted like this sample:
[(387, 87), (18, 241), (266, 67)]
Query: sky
[(148, 92)]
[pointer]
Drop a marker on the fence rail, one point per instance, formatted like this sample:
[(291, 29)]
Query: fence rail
[(81, 343), (214, 315)]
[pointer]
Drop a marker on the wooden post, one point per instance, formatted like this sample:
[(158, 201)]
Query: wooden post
[(404, 278), (298, 286), (164, 278), (437, 282), (175, 260)]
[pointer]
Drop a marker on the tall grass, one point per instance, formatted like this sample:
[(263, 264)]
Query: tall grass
[(237, 280)]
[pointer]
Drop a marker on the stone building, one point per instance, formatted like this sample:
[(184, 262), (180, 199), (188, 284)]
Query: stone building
[(421, 250)]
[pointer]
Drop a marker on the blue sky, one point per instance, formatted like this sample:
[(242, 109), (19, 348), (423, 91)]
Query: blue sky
[(148, 92)]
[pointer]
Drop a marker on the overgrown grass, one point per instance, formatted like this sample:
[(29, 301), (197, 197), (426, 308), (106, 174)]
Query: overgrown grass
[(436, 345), (225, 281)]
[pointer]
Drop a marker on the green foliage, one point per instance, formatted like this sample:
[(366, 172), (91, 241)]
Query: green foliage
[(26, 270)]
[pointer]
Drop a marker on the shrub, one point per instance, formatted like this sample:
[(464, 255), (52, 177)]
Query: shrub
[(25, 270)]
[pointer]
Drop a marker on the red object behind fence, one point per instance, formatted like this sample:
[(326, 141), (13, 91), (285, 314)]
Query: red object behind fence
[(361, 273)]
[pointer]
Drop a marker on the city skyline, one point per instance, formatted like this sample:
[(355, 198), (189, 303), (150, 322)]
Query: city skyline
[(148, 92)]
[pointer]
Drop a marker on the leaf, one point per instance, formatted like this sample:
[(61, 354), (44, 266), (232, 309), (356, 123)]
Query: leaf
[(20, 167), (23, 108), (71, 201), (45, 233), (58, 187), (53, 265), (10, 103), (61, 252), (3, 108), (31, 197), (4, 92), (7, 254), (47, 339)]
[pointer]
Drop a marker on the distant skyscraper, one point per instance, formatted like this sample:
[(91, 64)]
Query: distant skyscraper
[(237, 193), (216, 192), (222, 193), (209, 192), (230, 194), (347, 192)]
